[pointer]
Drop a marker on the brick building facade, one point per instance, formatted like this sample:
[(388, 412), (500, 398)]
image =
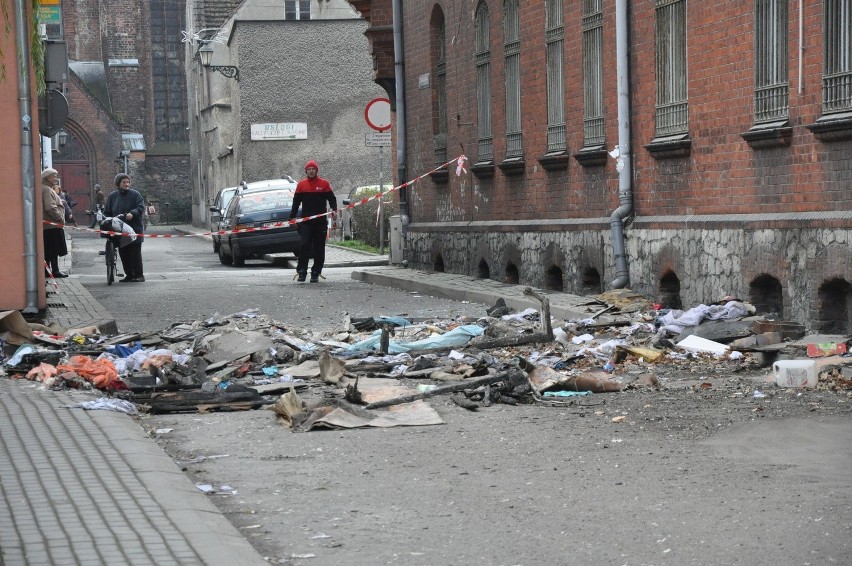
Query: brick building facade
[(126, 94), (741, 147)]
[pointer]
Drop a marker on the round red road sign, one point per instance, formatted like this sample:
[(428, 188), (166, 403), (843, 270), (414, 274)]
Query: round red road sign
[(378, 114)]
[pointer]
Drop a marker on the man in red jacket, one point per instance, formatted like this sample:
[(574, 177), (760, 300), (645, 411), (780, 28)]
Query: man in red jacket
[(312, 194)]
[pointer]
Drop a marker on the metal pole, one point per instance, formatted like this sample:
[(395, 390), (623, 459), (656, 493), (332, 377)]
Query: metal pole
[(22, 38), (625, 176), (399, 81), (381, 204)]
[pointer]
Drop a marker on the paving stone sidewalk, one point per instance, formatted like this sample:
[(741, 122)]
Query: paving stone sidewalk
[(90, 487)]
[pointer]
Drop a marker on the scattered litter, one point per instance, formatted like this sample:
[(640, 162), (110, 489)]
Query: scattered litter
[(566, 393), (107, 404), (381, 371)]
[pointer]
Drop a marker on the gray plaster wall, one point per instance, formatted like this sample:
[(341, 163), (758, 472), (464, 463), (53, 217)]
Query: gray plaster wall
[(318, 72), (709, 263)]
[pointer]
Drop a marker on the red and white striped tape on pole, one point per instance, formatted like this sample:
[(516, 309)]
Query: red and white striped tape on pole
[(460, 170)]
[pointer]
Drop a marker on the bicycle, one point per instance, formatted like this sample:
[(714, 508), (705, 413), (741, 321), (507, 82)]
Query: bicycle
[(106, 224)]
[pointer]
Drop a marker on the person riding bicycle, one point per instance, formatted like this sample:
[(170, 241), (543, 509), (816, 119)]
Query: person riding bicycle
[(128, 205)]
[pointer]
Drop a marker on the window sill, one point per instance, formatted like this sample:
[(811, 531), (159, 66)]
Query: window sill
[(557, 161), (513, 166), (832, 127), (670, 147), (441, 176), (591, 156), (768, 135), (483, 169)]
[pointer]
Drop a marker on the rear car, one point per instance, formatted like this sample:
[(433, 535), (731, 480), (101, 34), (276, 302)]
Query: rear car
[(265, 207), (217, 211)]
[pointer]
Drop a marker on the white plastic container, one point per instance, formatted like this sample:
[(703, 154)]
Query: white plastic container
[(795, 373)]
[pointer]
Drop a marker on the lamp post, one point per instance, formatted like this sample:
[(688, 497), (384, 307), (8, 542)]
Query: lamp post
[(123, 155), (205, 55)]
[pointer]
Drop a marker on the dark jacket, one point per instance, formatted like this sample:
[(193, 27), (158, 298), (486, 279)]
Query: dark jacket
[(312, 195), (119, 203)]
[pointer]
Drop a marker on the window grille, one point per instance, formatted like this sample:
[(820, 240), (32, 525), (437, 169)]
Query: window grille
[(297, 9), (512, 55), (771, 93), (837, 66), (672, 116), (554, 40), (441, 88), (593, 121), (485, 144)]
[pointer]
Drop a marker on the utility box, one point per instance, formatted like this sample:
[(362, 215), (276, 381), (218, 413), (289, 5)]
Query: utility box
[(395, 251), (55, 62)]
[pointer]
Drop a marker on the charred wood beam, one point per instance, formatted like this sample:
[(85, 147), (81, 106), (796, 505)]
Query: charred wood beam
[(455, 387)]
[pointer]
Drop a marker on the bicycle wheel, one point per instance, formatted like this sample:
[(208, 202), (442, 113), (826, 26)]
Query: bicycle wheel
[(110, 262)]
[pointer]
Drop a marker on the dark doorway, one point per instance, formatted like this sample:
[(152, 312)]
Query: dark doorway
[(766, 295)]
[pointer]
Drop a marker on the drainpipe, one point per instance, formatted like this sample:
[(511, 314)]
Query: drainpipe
[(625, 176), (401, 149), (22, 38)]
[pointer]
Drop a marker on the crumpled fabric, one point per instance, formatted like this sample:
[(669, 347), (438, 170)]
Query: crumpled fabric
[(140, 359), (123, 351), (528, 314), (100, 372), (675, 321), (41, 372), (108, 404), (458, 336)]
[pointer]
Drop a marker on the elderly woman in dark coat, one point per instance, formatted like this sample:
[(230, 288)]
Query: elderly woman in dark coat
[(53, 210)]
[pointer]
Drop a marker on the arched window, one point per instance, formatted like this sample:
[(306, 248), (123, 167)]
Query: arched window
[(593, 112), (512, 55), (672, 116), (554, 40), (482, 58), (439, 92)]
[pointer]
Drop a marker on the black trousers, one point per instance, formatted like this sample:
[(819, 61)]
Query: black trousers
[(131, 258), (313, 233)]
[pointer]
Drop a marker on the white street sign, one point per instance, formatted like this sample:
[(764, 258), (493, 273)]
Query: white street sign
[(377, 139), (280, 131)]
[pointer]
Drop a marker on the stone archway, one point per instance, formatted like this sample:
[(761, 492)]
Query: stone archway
[(73, 158)]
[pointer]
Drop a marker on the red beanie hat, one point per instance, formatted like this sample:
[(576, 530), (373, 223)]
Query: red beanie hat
[(313, 164)]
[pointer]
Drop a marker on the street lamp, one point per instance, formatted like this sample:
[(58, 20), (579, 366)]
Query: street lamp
[(205, 55)]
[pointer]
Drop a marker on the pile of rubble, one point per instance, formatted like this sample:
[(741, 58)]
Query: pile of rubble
[(378, 371)]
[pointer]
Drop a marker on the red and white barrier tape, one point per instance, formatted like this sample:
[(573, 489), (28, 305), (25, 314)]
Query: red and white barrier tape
[(50, 275), (460, 170)]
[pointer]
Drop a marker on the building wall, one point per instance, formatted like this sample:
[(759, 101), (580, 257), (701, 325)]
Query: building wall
[(326, 83), (147, 97), (713, 222), (12, 191)]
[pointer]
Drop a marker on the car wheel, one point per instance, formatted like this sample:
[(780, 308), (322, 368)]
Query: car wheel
[(224, 258), (238, 261)]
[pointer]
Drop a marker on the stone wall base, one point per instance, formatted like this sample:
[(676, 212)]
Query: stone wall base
[(801, 274)]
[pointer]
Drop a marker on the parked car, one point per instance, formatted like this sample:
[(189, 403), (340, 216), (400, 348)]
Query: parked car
[(259, 205), (217, 210)]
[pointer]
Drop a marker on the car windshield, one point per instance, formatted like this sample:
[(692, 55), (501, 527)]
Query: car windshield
[(227, 195), (265, 200)]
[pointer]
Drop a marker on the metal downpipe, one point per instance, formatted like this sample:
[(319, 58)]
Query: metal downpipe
[(401, 148), (22, 38), (625, 176)]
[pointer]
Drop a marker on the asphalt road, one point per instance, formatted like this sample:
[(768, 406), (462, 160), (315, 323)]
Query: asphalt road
[(185, 281), (692, 475)]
